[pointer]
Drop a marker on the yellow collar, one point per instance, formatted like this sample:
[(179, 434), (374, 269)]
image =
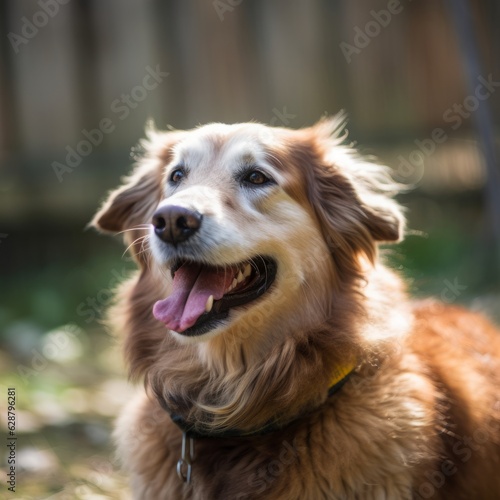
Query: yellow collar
[(339, 376)]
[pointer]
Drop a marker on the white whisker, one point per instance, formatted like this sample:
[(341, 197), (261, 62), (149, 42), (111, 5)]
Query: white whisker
[(134, 242)]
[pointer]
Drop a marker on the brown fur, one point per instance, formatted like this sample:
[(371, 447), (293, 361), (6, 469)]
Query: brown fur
[(419, 417)]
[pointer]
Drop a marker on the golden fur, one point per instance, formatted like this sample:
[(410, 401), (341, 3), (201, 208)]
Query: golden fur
[(419, 417)]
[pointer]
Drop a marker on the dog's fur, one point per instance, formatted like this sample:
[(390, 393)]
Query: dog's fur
[(420, 415)]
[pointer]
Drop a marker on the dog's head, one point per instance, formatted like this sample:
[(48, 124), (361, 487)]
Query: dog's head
[(247, 225)]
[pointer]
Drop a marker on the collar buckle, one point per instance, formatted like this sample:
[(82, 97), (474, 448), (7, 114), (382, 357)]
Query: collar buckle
[(184, 465)]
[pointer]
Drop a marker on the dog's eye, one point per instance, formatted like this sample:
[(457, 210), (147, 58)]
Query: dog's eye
[(177, 175), (256, 177)]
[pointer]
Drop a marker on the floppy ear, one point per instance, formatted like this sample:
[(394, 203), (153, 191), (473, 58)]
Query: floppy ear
[(350, 195), (134, 202), (383, 217)]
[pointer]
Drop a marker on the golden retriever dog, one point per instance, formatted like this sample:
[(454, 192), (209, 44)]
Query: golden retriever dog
[(280, 358)]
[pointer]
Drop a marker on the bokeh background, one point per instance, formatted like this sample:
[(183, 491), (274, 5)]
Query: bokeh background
[(420, 81)]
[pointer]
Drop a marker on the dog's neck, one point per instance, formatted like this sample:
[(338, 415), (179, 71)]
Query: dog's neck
[(222, 385), (226, 385), (340, 375)]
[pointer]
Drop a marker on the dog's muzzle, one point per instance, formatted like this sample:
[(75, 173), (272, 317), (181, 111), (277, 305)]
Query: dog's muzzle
[(202, 294)]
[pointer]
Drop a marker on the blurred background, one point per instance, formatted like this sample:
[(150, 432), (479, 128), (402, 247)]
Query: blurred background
[(420, 81)]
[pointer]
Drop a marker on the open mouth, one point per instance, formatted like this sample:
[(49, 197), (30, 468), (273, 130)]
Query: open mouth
[(202, 295)]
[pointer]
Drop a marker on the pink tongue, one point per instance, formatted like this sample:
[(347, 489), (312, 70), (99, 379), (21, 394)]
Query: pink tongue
[(192, 286)]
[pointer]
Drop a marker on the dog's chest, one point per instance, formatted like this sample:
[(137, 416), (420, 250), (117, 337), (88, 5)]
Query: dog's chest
[(305, 465)]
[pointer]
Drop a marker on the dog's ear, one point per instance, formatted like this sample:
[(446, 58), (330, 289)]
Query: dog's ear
[(133, 203), (130, 204), (352, 197)]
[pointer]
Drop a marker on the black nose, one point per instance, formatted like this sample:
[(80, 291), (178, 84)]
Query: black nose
[(176, 224)]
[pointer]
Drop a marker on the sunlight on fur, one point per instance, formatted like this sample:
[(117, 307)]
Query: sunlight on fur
[(258, 280)]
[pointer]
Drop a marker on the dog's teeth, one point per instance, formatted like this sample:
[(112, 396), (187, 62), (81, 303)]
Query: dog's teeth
[(247, 271), (209, 304), (240, 277), (234, 283)]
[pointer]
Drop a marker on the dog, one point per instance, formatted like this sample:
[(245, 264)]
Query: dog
[(280, 358)]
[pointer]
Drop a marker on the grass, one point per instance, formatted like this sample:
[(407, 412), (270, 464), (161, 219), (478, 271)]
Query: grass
[(69, 386)]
